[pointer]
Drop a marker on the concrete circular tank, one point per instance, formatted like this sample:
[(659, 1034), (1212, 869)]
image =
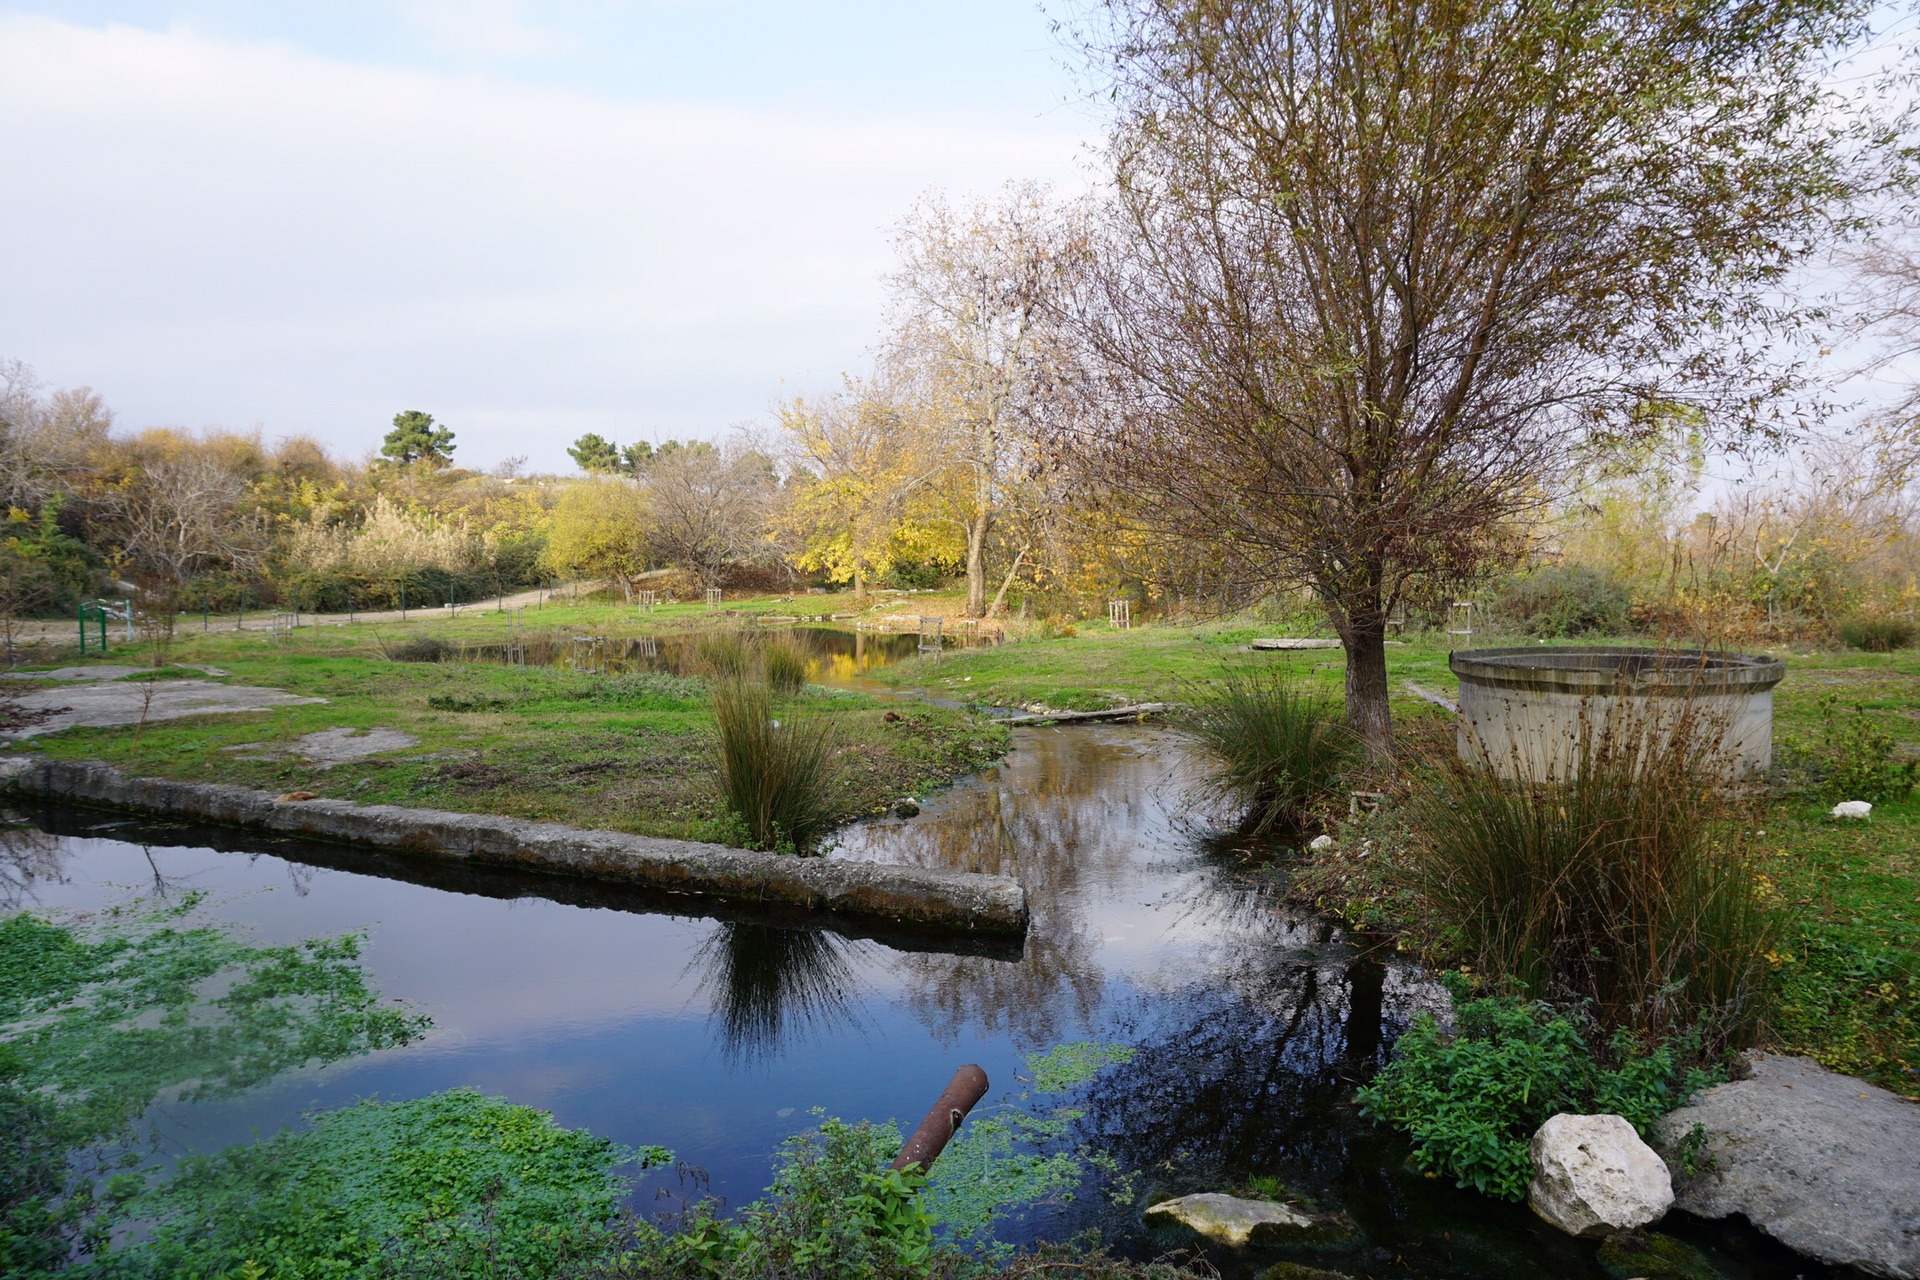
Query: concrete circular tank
[(1527, 711)]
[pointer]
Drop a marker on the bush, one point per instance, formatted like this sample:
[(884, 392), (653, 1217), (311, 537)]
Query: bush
[(425, 649), (777, 775), (1565, 600), (1859, 758), (1275, 749), (1471, 1100), (725, 655), (1628, 884), (834, 1210), (1877, 634)]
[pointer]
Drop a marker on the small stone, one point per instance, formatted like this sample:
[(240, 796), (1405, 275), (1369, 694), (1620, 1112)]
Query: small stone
[(1859, 809), (1593, 1176), (1320, 842), (1228, 1219)]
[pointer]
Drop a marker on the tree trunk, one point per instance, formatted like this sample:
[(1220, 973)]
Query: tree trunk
[(1364, 634), (1006, 582), (977, 565), (859, 583)]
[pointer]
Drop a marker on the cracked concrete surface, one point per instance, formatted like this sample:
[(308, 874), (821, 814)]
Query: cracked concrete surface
[(329, 747), (106, 704)]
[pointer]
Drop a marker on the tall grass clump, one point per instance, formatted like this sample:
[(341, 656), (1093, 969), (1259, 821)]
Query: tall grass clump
[(777, 771), (1275, 749), (725, 655), (1626, 882), (1877, 634), (785, 657)]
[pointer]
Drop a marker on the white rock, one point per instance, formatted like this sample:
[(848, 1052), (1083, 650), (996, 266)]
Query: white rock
[(1852, 809), (1320, 842), (1592, 1176), (1228, 1219)]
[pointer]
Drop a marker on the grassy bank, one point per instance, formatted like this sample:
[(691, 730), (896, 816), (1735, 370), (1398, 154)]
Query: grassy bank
[(629, 753), (1845, 981)]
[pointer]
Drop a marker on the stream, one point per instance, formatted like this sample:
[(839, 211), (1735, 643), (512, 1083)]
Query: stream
[(1248, 1021)]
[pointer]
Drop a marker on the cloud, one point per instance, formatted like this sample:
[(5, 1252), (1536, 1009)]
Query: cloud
[(490, 27), (217, 231)]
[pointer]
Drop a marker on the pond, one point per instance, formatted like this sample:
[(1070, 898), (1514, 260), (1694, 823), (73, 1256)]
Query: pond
[(1248, 1021)]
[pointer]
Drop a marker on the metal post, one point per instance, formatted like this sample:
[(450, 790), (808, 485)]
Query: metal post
[(968, 1086), (403, 602), (349, 607), (129, 606)]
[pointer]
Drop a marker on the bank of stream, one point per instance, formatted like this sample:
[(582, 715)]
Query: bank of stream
[(1247, 1021)]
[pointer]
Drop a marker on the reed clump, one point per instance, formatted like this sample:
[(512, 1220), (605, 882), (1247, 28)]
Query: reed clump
[(785, 658), (1275, 749), (1627, 883), (777, 768)]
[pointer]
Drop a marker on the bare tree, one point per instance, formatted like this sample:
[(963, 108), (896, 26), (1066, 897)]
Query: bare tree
[(975, 307), (708, 506), (1377, 268), (181, 516)]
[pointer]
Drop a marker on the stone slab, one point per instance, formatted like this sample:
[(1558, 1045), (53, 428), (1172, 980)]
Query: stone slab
[(1826, 1164), (106, 704), (913, 895)]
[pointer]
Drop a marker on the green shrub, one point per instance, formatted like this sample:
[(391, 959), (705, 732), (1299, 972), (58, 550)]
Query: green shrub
[(1560, 601), (1859, 758), (1471, 1100), (425, 649), (460, 1183), (834, 1210), (1877, 634), (777, 774), (1629, 884), (1275, 749)]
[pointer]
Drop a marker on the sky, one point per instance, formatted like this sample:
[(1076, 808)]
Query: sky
[(648, 218)]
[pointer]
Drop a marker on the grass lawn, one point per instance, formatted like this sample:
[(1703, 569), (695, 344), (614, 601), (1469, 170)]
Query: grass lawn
[(628, 753)]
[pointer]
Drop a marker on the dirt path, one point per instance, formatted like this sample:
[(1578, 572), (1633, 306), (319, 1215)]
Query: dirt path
[(67, 631)]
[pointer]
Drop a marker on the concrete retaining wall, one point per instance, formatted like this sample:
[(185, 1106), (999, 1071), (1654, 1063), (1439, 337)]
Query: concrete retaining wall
[(911, 895)]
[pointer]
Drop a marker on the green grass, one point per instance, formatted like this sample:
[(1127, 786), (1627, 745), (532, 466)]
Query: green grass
[(629, 753)]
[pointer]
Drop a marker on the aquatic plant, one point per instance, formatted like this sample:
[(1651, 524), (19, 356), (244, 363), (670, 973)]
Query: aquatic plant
[(1275, 748), (1629, 883), (1472, 1098), (1009, 1157), (725, 655), (98, 1022), (456, 1184), (109, 1017), (776, 772)]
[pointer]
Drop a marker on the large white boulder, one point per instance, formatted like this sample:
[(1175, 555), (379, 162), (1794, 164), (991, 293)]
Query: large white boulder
[(1592, 1176)]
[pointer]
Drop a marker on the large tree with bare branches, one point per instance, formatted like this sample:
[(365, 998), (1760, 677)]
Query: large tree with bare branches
[(1377, 268)]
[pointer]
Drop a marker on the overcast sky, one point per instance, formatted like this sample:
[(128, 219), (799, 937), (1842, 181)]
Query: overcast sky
[(643, 218)]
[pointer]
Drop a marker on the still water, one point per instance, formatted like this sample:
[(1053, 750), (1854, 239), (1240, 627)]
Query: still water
[(716, 1037)]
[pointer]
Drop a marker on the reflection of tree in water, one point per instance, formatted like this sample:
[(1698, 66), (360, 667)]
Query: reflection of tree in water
[(1067, 815), (768, 985), (28, 858)]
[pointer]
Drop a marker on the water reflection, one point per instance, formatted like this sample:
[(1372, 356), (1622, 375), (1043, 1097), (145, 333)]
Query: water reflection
[(771, 987), (839, 657), (29, 860)]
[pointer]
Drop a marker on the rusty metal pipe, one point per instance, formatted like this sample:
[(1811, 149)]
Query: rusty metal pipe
[(968, 1086)]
